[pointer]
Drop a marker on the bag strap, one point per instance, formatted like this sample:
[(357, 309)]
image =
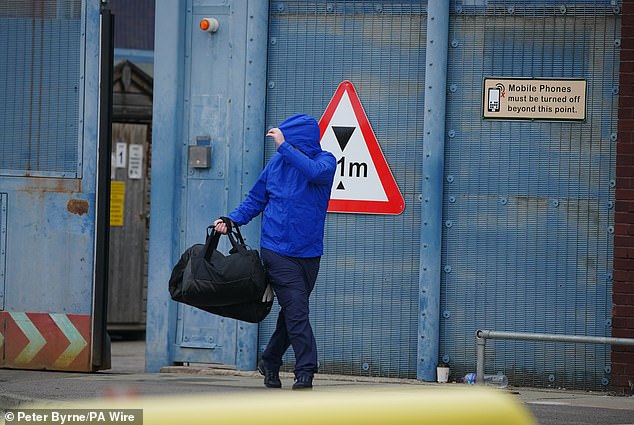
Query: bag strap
[(211, 242), (213, 238), (231, 226)]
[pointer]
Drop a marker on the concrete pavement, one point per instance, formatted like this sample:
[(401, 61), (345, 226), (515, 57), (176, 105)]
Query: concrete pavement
[(127, 380)]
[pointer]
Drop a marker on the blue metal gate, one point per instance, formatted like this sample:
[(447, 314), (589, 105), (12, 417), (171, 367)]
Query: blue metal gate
[(528, 205), (49, 62), (365, 304)]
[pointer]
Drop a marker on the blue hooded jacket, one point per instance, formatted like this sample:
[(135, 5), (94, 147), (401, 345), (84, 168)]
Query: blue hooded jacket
[(293, 191)]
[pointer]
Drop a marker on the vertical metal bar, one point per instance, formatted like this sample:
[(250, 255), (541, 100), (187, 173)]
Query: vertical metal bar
[(481, 345), (167, 117), (433, 165), (254, 129), (101, 347)]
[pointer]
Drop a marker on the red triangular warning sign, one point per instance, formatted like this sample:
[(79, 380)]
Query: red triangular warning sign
[(363, 180)]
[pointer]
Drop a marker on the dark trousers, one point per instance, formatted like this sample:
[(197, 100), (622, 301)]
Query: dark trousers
[(292, 279)]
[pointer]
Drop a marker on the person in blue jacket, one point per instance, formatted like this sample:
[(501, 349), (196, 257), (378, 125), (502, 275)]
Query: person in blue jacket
[(292, 192)]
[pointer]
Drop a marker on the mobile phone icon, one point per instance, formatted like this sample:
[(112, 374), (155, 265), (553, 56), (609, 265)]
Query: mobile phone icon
[(494, 100)]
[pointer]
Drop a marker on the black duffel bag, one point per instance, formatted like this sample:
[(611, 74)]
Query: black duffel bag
[(228, 285)]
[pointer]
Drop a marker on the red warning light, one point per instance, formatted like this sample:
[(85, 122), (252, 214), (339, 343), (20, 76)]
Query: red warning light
[(209, 24)]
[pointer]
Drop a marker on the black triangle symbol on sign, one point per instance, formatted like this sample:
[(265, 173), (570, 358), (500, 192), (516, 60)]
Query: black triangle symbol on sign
[(343, 135), (340, 186)]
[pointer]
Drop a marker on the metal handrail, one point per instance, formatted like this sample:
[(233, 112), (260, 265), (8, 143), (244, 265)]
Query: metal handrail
[(483, 335)]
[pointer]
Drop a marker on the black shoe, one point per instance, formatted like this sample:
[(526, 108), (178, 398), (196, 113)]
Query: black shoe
[(271, 377), (303, 383)]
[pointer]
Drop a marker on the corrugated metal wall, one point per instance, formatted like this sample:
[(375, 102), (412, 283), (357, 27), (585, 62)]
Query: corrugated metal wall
[(39, 97), (365, 304), (528, 206)]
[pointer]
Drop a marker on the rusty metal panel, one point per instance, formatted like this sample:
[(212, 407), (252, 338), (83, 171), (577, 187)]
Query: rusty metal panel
[(49, 253)]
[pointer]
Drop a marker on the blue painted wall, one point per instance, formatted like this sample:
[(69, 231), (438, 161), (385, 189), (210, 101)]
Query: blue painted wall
[(211, 85), (518, 214)]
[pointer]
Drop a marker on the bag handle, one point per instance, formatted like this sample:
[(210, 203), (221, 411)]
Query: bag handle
[(213, 237), (211, 242), (231, 227)]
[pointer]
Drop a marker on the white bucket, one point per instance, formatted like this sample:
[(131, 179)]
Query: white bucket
[(442, 374)]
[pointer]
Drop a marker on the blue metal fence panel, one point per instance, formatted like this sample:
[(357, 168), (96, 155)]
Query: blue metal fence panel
[(365, 304), (40, 64), (527, 207)]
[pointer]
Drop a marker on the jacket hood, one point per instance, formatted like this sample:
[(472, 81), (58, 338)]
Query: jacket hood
[(302, 131)]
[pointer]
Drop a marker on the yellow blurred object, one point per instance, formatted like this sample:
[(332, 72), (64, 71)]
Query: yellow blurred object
[(374, 405)]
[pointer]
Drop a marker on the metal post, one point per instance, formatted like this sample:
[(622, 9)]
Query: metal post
[(101, 341), (166, 162), (481, 346), (254, 128), (432, 188)]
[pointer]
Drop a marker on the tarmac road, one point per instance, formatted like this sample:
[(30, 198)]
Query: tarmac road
[(575, 415), (127, 380)]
